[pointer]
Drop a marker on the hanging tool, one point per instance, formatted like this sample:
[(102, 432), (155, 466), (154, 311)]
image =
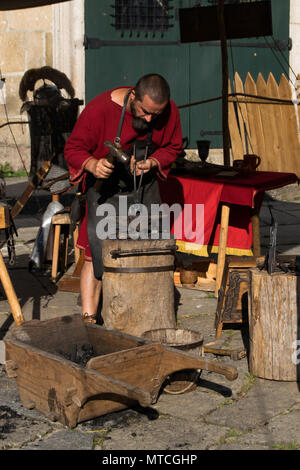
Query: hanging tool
[(137, 192), (270, 258)]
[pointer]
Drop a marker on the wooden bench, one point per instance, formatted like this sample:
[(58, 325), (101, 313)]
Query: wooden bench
[(61, 223)]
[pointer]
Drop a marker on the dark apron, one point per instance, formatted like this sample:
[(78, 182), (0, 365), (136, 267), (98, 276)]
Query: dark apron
[(142, 189)]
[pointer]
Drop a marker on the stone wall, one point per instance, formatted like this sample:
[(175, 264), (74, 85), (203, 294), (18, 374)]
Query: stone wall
[(26, 42)]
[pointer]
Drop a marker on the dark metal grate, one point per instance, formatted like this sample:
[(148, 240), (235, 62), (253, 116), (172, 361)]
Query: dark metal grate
[(142, 15)]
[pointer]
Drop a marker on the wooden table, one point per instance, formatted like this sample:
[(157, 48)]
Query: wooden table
[(240, 196)]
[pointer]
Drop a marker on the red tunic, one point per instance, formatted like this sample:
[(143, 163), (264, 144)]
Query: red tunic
[(99, 122)]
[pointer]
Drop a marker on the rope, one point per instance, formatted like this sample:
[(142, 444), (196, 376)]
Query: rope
[(236, 95)]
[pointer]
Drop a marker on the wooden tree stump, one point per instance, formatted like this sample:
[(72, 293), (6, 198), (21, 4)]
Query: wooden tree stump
[(274, 302), (135, 302)]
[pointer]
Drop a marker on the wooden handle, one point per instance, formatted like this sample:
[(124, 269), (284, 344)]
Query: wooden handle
[(97, 185), (217, 351), (229, 372), (235, 354), (99, 181), (10, 293), (174, 360)]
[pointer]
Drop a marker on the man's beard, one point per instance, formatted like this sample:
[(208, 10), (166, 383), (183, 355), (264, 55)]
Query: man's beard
[(139, 124)]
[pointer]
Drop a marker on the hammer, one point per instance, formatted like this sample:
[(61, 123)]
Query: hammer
[(116, 153), (235, 354)]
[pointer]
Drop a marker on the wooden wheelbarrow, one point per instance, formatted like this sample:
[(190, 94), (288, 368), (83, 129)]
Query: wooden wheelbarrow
[(124, 369)]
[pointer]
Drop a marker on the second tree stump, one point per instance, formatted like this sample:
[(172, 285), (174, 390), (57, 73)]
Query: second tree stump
[(274, 326)]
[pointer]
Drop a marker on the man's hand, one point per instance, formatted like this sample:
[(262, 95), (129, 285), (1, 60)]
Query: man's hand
[(140, 166), (100, 168)]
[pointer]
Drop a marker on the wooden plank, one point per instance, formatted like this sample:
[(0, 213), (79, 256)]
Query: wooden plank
[(71, 282), (4, 217), (257, 140), (235, 136), (278, 140), (61, 219), (242, 114), (138, 367), (291, 154), (267, 163)]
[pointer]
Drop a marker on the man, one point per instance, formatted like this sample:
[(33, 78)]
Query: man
[(143, 116)]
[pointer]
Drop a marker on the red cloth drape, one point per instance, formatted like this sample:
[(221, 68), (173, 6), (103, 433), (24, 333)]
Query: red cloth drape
[(242, 193)]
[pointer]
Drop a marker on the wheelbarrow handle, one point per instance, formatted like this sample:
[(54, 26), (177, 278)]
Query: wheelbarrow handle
[(175, 360)]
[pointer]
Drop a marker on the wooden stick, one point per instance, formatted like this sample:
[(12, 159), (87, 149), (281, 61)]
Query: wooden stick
[(222, 246), (10, 293), (76, 250), (56, 243)]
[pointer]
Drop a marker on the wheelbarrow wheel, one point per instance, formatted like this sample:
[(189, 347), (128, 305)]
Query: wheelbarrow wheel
[(181, 382)]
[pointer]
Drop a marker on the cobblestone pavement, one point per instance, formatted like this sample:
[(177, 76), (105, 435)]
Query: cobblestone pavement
[(249, 413)]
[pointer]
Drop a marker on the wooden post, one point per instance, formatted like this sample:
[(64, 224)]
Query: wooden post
[(55, 257), (225, 76), (222, 246), (10, 293)]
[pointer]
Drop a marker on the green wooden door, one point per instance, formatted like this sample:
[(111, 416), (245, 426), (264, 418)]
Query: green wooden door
[(127, 38)]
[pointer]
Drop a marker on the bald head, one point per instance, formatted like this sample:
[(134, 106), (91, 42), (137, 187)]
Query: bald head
[(153, 85)]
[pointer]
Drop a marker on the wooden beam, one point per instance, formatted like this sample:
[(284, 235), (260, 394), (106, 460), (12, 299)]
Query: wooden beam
[(10, 293), (225, 76)]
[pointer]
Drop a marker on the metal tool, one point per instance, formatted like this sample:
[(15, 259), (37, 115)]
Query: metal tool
[(137, 191), (270, 258), (116, 153)]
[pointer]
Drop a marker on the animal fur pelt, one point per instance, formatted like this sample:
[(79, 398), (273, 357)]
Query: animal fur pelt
[(44, 73)]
